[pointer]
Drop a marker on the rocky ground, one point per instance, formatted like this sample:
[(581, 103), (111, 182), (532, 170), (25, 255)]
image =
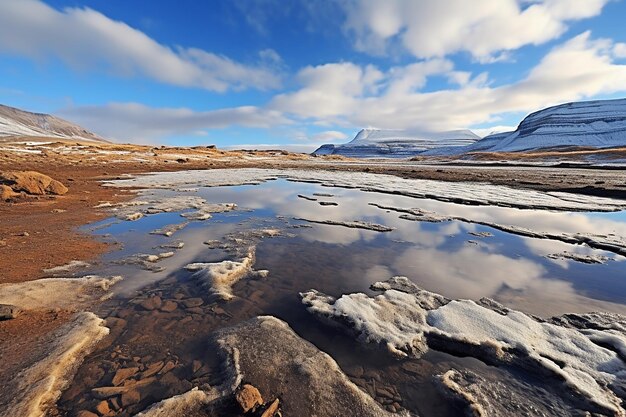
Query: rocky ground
[(41, 212)]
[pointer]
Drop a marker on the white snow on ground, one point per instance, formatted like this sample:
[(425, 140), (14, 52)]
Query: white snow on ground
[(182, 405), (49, 293), (220, 276), (39, 386), (407, 320), (71, 266), (136, 209), (463, 193)]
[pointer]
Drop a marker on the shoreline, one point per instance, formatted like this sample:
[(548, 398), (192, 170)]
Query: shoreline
[(53, 223)]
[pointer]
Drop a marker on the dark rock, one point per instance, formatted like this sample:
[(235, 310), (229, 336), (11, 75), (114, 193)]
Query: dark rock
[(8, 311)]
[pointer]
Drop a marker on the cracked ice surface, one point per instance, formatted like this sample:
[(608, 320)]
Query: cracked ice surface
[(408, 321), (463, 193)]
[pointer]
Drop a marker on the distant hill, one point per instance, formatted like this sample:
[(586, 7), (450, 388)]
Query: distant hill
[(371, 143), (586, 124), (16, 122)]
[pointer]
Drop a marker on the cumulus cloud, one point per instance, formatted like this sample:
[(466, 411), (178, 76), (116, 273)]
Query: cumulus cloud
[(345, 93), (86, 39), (139, 123), (484, 28)]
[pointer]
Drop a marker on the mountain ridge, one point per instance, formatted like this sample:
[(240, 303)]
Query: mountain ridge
[(21, 123)]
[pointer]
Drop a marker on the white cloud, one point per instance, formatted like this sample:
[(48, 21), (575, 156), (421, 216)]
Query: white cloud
[(86, 39), (435, 28), (139, 123), (344, 93), (329, 89), (329, 136)]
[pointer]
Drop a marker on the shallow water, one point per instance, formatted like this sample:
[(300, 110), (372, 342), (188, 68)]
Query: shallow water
[(440, 257)]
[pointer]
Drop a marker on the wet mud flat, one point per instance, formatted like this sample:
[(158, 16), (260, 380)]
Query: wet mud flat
[(267, 288)]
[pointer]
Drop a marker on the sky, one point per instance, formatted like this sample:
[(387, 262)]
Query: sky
[(296, 74)]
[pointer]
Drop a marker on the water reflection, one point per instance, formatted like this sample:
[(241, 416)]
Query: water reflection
[(440, 257)]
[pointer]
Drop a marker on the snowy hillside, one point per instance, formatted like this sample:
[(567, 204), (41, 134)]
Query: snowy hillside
[(369, 143), (590, 124), (15, 122)]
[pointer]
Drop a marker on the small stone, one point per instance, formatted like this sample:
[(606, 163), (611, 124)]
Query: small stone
[(102, 393), (272, 409), (169, 306), (130, 397), (152, 369), (123, 374), (151, 303), (8, 311), (248, 397), (168, 367), (193, 302), (103, 408), (195, 310)]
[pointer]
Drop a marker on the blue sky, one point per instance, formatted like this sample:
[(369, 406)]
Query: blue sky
[(289, 73)]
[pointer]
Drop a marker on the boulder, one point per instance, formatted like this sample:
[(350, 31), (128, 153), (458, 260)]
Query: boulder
[(6, 192), (32, 182)]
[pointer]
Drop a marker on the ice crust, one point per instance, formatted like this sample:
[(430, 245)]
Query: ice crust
[(220, 276), (49, 293), (408, 321), (140, 207), (38, 387), (462, 193), (265, 352), (611, 243)]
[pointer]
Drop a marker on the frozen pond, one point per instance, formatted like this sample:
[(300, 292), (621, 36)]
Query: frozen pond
[(303, 235)]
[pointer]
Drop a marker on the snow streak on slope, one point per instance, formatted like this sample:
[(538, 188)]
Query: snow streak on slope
[(595, 124), (15, 122)]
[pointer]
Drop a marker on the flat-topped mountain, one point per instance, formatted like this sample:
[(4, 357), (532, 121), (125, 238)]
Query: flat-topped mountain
[(371, 143), (16, 122), (587, 124)]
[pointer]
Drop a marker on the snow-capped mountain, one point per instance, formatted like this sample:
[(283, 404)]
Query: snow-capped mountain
[(370, 143), (16, 122), (588, 124)]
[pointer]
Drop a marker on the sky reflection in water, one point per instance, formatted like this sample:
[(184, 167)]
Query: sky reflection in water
[(441, 257)]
